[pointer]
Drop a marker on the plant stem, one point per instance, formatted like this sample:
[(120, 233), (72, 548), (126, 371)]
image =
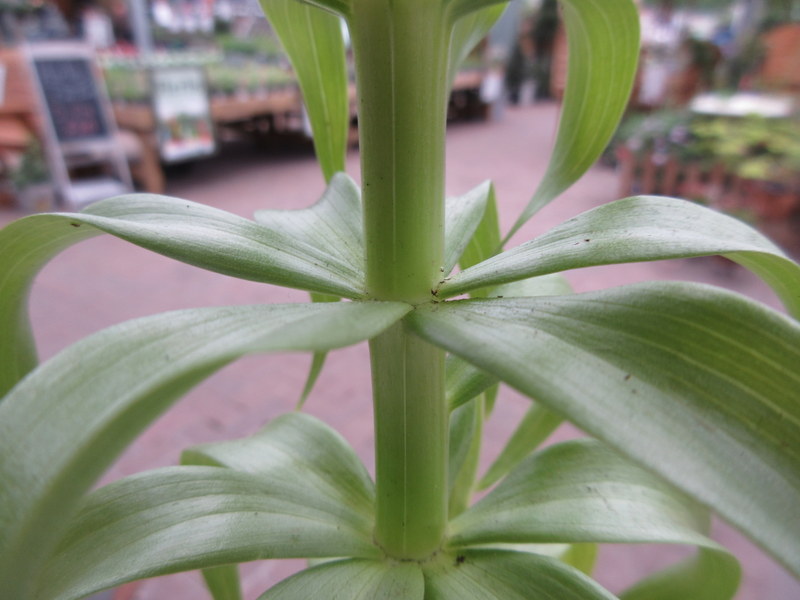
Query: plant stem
[(401, 50), (410, 444)]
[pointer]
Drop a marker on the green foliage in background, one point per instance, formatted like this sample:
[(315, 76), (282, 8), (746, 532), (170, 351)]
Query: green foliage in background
[(690, 392), (750, 146)]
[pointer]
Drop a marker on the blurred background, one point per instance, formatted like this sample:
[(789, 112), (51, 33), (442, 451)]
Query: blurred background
[(195, 99), (170, 82)]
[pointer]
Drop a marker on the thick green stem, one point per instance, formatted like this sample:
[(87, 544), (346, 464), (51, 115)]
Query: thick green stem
[(410, 444), (401, 50)]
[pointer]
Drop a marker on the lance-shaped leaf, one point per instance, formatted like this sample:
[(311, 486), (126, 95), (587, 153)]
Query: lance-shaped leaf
[(223, 583), (534, 428), (196, 234), (584, 491), (333, 478), (638, 229), (554, 284), (708, 575), (355, 579), (485, 242), (581, 556), (580, 491), (464, 447), (463, 214), (603, 40), (317, 361), (698, 384), (313, 40), (67, 420), (463, 381), (184, 518), (538, 422), (468, 31), (333, 226), (333, 514), (483, 574)]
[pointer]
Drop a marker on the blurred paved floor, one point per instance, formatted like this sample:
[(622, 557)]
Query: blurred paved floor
[(103, 281)]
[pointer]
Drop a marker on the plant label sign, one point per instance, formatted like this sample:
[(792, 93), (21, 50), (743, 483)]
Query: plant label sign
[(183, 114)]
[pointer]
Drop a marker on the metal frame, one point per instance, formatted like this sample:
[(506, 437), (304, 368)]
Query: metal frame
[(99, 150)]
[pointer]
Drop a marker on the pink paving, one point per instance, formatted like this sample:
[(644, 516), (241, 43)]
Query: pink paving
[(103, 281)]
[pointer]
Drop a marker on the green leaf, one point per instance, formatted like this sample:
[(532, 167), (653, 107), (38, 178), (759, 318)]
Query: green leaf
[(26, 245), (353, 579), (505, 575), (581, 556), (708, 575), (463, 214), (326, 512), (466, 427), (580, 491), (68, 419), (318, 359), (317, 363), (463, 382), (554, 284), (583, 491), (312, 38), (680, 377), (538, 422), (333, 478), (223, 582), (603, 39), (467, 32), (534, 428), (184, 518), (330, 230), (638, 229), (194, 233), (485, 242)]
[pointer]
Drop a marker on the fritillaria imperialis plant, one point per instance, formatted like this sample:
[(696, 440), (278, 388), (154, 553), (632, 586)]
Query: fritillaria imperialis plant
[(690, 393)]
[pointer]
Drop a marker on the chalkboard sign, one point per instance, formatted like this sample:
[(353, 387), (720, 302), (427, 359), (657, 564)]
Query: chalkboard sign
[(70, 91), (86, 161)]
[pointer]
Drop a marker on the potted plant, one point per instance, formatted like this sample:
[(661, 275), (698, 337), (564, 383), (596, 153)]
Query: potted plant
[(31, 180), (689, 391), (763, 154)]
